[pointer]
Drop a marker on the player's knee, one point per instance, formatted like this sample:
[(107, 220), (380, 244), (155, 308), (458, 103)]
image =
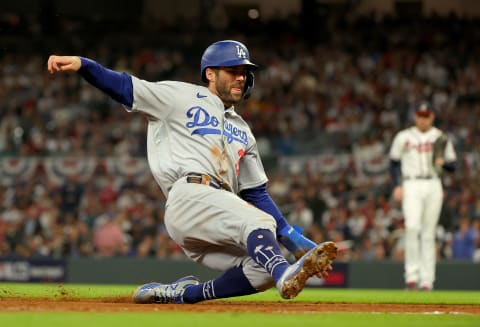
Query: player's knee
[(264, 224)]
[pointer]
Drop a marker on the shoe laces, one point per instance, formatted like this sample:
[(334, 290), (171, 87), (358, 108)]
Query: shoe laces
[(168, 293)]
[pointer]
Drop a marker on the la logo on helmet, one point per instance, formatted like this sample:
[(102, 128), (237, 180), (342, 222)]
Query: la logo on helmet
[(241, 52)]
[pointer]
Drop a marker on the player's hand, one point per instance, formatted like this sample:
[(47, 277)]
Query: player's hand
[(63, 64), (439, 162), (398, 194)]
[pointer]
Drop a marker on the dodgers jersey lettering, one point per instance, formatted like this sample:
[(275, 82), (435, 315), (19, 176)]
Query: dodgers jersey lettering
[(190, 131), (415, 150)]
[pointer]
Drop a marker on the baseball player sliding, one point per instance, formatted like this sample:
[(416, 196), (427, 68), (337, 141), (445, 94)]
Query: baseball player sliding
[(416, 178), (204, 157)]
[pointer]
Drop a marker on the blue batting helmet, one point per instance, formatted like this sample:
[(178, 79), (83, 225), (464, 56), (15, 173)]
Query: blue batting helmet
[(228, 53)]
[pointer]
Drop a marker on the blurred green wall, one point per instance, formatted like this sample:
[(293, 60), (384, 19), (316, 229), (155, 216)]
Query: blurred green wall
[(450, 275)]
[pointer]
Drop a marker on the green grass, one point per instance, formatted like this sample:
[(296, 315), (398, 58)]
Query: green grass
[(173, 319), (232, 320), (81, 291), (375, 296), (308, 295)]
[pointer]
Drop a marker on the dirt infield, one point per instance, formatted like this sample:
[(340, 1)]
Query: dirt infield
[(125, 305)]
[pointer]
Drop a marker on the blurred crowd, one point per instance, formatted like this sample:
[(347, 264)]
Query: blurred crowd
[(347, 90)]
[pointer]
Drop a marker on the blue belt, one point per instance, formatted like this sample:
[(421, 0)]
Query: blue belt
[(418, 177), (203, 179)]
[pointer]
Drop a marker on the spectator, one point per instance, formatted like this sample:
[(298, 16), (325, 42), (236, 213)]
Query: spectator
[(348, 103), (301, 215), (70, 193), (464, 240), (357, 221), (108, 238)]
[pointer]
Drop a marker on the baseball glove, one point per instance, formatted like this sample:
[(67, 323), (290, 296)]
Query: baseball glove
[(439, 152)]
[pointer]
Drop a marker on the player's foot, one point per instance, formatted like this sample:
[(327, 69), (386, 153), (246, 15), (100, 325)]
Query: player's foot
[(317, 261), (164, 293), (425, 288), (411, 286)]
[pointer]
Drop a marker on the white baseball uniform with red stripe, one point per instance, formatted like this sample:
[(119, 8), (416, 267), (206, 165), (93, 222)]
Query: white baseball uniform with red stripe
[(422, 200)]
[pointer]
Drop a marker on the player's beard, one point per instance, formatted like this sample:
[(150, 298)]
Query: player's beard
[(224, 91)]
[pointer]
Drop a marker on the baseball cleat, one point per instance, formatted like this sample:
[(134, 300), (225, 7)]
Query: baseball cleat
[(164, 293), (411, 286), (317, 261), (426, 288)]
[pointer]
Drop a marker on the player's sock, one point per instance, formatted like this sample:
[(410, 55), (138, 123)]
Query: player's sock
[(232, 283), (264, 249)]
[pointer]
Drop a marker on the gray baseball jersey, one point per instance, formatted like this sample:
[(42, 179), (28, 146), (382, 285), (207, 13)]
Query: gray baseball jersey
[(190, 131)]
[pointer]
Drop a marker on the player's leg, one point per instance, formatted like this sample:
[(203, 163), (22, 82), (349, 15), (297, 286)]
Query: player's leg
[(431, 215), (239, 280), (207, 224), (251, 278), (412, 206), (218, 229), (204, 220), (230, 284)]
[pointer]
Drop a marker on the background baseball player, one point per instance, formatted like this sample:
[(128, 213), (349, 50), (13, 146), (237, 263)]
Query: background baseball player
[(204, 157), (417, 184)]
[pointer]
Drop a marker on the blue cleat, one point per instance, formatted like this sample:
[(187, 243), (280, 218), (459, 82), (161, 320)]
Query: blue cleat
[(164, 293), (317, 261)]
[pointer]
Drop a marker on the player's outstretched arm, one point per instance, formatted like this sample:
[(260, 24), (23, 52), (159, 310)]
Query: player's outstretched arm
[(63, 63), (117, 85)]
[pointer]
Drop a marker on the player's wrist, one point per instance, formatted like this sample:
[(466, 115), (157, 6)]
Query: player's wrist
[(294, 241)]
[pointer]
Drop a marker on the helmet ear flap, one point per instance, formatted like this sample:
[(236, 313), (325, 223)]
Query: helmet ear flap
[(249, 82)]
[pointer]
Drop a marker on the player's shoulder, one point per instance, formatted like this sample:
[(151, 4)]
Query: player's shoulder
[(171, 83), (435, 131), (180, 84), (406, 132), (432, 132), (186, 87), (180, 89)]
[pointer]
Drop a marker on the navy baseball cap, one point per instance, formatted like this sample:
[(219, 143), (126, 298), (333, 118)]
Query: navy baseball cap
[(424, 110)]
